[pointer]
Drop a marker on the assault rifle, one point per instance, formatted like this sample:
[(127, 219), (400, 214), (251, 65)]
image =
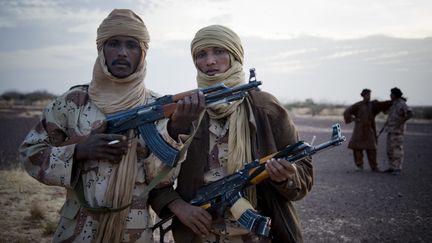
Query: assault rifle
[(216, 196), (142, 118)]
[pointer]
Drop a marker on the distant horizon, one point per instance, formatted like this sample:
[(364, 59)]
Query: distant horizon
[(285, 102)]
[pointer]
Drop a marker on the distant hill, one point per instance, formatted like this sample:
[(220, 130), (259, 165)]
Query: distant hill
[(35, 98)]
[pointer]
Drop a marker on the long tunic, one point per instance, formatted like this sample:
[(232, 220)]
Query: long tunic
[(47, 154), (363, 114), (272, 130)]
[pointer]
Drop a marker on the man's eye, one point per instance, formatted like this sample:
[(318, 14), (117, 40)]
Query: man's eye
[(133, 45), (112, 44), (219, 51), (200, 55)]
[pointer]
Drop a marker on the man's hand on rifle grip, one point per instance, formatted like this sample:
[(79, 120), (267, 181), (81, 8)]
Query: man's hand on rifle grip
[(280, 170), (187, 111), (194, 217)]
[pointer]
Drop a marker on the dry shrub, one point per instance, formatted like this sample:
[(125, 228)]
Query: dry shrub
[(29, 208), (49, 228), (36, 212)]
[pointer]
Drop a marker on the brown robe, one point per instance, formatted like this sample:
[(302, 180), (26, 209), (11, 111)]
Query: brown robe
[(363, 114), (273, 131)]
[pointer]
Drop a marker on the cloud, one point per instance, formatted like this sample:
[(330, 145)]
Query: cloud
[(300, 49), (57, 57), (288, 18), (45, 12)]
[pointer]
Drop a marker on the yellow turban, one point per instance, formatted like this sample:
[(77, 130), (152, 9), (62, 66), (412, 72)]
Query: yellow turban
[(122, 22), (220, 36)]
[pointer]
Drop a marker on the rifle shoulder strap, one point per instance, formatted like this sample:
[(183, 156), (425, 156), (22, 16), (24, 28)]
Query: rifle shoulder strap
[(79, 188)]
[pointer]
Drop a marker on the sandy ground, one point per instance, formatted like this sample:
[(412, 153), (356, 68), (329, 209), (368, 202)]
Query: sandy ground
[(344, 205), (350, 206)]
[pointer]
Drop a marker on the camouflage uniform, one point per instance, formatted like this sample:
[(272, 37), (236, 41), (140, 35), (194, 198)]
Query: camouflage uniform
[(398, 114), (47, 153)]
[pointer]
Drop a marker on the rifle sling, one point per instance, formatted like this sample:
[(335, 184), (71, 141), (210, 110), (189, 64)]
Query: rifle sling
[(81, 198), (102, 209)]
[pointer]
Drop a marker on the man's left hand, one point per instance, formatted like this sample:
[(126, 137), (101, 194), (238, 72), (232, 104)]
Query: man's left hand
[(280, 170)]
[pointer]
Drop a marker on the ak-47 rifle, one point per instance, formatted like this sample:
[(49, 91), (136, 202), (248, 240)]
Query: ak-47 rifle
[(142, 118), (217, 196)]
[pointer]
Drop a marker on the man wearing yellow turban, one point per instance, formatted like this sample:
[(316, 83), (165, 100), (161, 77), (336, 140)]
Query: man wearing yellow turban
[(229, 136), (106, 174)]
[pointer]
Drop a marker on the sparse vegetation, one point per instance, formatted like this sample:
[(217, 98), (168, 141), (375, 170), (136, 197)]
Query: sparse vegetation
[(29, 209), (309, 107), (36, 212), (31, 97), (40, 97), (423, 112), (49, 228)]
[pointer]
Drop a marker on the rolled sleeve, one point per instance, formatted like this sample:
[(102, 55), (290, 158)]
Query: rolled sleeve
[(160, 198)]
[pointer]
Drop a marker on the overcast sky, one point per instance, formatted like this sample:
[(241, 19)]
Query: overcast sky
[(324, 50)]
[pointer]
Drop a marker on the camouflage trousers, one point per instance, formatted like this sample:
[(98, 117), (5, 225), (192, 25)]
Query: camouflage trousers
[(395, 151)]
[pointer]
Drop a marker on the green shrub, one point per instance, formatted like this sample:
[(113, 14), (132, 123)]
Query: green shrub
[(26, 98), (49, 228)]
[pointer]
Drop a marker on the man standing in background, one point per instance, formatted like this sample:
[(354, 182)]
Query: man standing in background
[(398, 114), (364, 136)]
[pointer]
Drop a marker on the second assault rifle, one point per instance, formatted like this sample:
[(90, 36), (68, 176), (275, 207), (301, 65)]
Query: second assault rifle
[(142, 118), (215, 197)]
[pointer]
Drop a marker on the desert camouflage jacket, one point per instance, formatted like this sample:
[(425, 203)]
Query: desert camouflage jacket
[(398, 114), (47, 155)]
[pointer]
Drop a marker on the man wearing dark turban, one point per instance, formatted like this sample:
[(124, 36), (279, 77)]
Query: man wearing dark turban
[(364, 136), (105, 174), (398, 114), (229, 136)]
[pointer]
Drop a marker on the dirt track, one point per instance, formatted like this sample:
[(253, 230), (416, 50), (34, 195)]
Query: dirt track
[(344, 205), (350, 206)]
